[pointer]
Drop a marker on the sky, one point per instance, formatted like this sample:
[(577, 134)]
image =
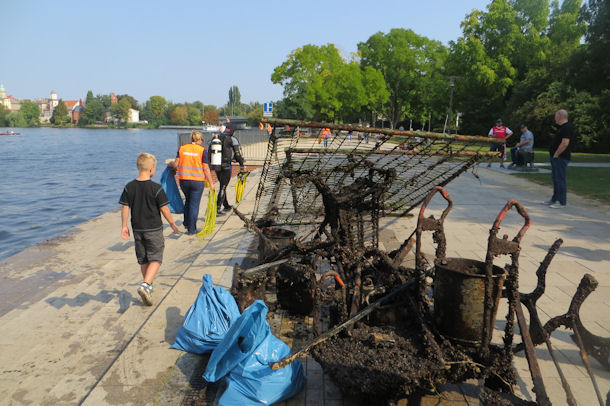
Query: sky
[(188, 50)]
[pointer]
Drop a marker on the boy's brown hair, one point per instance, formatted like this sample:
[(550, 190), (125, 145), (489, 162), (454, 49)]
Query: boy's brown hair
[(146, 161)]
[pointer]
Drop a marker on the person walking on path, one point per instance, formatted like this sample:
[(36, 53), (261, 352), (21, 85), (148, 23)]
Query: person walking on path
[(193, 170), (145, 200), (230, 151), (525, 145), (560, 154), (499, 132)]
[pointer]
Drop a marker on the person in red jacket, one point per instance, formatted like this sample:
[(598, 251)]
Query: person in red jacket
[(499, 132)]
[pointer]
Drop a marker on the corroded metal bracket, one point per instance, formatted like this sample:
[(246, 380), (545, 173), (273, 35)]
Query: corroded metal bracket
[(432, 224)]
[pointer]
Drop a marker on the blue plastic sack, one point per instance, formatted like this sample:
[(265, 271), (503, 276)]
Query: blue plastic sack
[(207, 320), (168, 182), (244, 356)]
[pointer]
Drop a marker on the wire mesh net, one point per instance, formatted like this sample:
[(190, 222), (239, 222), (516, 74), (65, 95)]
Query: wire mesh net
[(302, 162)]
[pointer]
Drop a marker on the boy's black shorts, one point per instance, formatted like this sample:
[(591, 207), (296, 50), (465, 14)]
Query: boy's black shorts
[(149, 246)]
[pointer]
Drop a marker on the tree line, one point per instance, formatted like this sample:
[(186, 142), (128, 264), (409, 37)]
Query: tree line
[(518, 59), (156, 111)]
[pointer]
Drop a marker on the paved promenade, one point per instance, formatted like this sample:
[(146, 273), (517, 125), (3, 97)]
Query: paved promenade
[(74, 331)]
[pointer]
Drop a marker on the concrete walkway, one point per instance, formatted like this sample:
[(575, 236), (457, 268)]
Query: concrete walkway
[(73, 329)]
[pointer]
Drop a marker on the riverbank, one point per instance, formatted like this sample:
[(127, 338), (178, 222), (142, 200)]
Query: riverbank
[(73, 329)]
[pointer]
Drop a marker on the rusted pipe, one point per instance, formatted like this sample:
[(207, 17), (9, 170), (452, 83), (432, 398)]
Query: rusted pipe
[(385, 131)]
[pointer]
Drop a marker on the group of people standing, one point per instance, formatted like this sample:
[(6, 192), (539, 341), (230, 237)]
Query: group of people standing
[(559, 153), (146, 200)]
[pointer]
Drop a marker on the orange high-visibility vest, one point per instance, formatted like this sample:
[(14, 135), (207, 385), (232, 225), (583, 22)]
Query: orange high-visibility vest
[(269, 129), (261, 126), (190, 166)]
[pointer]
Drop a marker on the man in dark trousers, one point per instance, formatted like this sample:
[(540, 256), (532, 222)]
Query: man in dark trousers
[(230, 152), (559, 151)]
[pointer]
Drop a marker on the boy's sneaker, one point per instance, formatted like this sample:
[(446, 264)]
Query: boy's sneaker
[(145, 291), (549, 202), (557, 206)]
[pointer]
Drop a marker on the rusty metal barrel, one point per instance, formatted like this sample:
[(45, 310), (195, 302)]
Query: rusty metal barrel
[(281, 237), (459, 295)]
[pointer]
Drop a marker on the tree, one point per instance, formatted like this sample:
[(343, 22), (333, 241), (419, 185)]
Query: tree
[(30, 112), (303, 76), (3, 115), (210, 114), (179, 115), (405, 60), (234, 99), (255, 114), (16, 120), (320, 85), (120, 110), (133, 103), (94, 111), (155, 110), (194, 115), (60, 113), (105, 99)]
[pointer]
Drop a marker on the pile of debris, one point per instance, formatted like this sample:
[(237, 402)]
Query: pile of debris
[(392, 331)]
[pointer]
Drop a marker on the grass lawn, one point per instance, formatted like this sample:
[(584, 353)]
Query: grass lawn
[(542, 155), (587, 182)]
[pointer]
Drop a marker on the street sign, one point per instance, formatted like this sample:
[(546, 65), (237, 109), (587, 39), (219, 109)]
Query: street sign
[(268, 109)]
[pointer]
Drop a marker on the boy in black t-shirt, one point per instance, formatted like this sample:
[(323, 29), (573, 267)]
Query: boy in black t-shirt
[(147, 201)]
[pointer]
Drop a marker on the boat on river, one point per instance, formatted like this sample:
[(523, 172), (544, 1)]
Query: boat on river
[(9, 132)]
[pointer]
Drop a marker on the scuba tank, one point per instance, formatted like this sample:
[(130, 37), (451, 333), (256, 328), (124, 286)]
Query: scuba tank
[(216, 152)]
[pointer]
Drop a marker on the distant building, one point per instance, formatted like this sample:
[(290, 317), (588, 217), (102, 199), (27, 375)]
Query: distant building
[(75, 109), (9, 102), (47, 105), (133, 116)]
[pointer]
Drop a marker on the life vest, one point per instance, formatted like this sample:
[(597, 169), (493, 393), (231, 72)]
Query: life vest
[(190, 166), (499, 132)]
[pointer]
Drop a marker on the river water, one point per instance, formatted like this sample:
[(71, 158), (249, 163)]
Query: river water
[(53, 179)]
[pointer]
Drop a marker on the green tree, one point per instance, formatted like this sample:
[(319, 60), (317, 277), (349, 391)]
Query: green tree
[(376, 90), (94, 111), (105, 99), (3, 115), (120, 110), (255, 114), (60, 113), (406, 61), (155, 110), (303, 75), (234, 100), (194, 115), (133, 103), (16, 120), (179, 115), (30, 112)]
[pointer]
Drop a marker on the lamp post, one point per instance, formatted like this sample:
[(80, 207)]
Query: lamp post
[(451, 85)]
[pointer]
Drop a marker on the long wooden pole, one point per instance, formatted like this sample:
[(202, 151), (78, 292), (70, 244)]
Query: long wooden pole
[(385, 131)]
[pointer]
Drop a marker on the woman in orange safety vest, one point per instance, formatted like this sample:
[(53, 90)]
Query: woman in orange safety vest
[(193, 170)]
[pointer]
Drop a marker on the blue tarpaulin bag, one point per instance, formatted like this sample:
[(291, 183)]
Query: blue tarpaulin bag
[(168, 182), (207, 320), (244, 356)]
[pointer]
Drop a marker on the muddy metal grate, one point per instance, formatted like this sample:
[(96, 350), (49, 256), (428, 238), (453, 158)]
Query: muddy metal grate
[(420, 161)]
